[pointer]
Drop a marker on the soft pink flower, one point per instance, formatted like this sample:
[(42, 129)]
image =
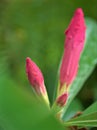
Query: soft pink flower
[(74, 43), (35, 76)]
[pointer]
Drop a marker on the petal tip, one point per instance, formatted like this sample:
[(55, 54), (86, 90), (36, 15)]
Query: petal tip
[(28, 59), (79, 11)]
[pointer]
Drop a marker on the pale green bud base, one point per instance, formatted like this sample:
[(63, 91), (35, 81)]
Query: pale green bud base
[(62, 90), (57, 109), (42, 98)]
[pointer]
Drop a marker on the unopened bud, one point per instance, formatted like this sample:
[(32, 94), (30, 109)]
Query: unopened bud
[(61, 100), (35, 78), (74, 43)]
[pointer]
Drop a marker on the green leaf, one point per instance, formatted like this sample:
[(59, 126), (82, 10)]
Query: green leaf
[(19, 110), (88, 60), (91, 109), (72, 110), (88, 118)]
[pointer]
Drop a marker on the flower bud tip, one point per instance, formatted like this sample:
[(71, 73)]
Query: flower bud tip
[(35, 76), (61, 100)]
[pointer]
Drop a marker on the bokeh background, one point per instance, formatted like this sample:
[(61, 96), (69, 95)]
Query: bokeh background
[(35, 28)]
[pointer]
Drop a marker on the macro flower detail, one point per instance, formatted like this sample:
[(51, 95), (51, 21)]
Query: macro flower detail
[(35, 78), (74, 43)]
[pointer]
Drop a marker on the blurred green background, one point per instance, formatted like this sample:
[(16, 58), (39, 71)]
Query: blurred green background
[(36, 29)]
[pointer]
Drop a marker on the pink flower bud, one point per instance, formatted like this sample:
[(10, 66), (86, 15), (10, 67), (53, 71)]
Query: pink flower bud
[(74, 43), (61, 100), (35, 76)]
